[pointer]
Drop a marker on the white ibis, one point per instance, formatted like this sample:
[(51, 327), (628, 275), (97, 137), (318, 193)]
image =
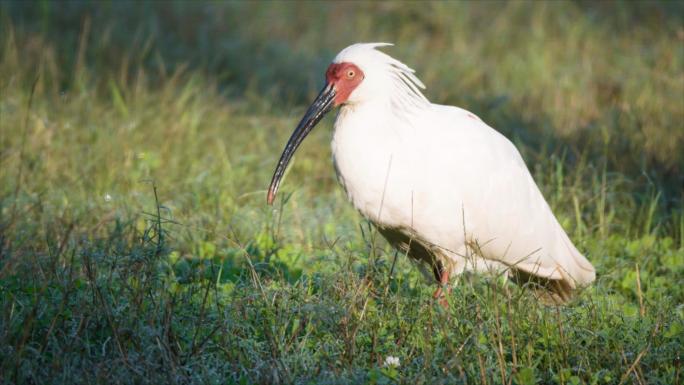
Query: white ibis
[(436, 181)]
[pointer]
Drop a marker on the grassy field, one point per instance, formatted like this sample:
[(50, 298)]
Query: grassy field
[(137, 141)]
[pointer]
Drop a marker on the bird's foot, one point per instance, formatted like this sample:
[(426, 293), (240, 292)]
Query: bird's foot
[(439, 294)]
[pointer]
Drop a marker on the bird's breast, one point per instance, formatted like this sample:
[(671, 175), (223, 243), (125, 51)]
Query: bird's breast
[(372, 167), (423, 173)]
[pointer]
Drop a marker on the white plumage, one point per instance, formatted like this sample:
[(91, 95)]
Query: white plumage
[(441, 184)]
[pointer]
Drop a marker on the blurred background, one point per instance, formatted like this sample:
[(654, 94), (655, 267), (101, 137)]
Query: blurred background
[(137, 140), (591, 74), (200, 98), (182, 91)]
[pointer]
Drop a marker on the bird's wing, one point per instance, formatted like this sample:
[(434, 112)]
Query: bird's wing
[(506, 216)]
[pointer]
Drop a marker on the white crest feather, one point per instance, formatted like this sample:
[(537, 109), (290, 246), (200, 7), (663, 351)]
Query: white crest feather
[(399, 82)]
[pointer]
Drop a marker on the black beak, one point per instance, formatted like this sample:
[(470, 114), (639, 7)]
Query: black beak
[(324, 102)]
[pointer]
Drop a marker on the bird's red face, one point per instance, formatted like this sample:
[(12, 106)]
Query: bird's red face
[(344, 77), (340, 81)]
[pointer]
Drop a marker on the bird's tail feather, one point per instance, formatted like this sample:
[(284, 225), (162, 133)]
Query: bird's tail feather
[(557, 286), (548, 291), (579, 270)]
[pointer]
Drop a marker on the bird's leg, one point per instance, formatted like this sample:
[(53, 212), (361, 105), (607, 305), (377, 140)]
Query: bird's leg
[(443, 281)]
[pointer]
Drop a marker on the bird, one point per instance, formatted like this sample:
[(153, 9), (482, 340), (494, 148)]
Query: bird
[(436, 181)]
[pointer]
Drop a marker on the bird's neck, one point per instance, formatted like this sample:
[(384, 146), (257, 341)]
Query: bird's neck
[(384, 110), (372, 126), (365, 118)]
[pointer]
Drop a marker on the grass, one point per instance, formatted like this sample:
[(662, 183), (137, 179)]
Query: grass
[(136, 246)]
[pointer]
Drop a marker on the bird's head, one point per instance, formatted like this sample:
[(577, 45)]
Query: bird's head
[(358, 74), (343, 79)]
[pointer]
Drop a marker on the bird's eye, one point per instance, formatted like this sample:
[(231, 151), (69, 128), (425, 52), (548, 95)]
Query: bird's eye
[(350, 74)]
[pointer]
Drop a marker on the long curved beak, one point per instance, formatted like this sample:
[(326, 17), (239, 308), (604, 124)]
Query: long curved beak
[(322, 104)]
